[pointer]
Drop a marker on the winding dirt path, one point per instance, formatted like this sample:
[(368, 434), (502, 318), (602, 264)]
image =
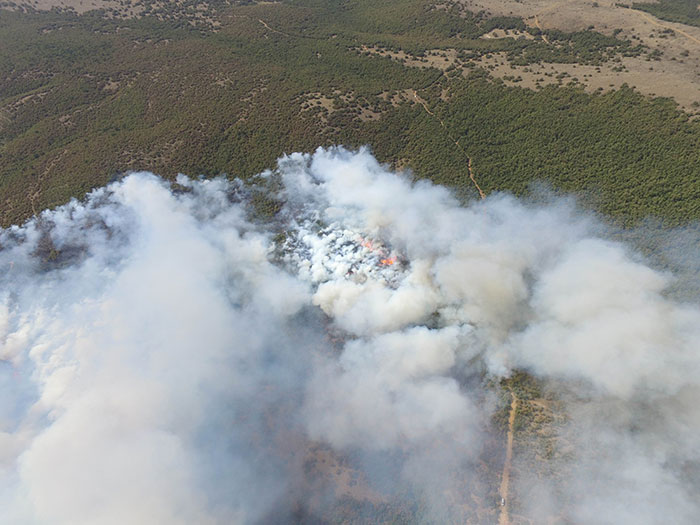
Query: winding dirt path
[(651, 20), (504, 518), (425, 106), (471, 176), (539, 26), (272, 29), (646, 16), (267, 26), (423, 103), (548, 10)]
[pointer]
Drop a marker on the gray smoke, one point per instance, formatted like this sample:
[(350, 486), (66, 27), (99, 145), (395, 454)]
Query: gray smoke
[(166, 359)]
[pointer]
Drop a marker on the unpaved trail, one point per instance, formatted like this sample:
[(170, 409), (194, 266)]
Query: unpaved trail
[(539, 26), (272, 29), (504, 518), (646, 16), (547, 10), (425, 106), (267, 26), (423, 103), (471, 176), (651, 20)]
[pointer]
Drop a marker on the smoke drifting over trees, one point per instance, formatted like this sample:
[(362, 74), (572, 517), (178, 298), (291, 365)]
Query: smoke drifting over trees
[(166, 360)]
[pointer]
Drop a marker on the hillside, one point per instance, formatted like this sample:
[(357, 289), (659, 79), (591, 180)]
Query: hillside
[(230, 88), (489, 98)]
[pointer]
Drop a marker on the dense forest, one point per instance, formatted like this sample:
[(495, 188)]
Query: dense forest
[(85, 98), (682, 11)]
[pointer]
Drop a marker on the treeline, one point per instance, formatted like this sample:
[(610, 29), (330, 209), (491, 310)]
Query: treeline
[(83, 98), (626, 155), (682, 11)]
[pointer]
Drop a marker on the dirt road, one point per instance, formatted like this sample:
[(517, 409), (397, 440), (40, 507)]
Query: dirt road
[(423, 103), (651, 20), (544, 37), (504, 518)]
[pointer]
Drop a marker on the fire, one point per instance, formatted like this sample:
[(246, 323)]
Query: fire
[(379, 249), (366, 243)]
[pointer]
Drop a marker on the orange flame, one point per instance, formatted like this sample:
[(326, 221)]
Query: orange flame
[(389, 261)]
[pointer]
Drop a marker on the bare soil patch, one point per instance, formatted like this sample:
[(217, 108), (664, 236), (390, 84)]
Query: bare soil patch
[(675, 74)]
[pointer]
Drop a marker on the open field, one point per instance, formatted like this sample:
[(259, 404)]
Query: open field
[(674, 70)]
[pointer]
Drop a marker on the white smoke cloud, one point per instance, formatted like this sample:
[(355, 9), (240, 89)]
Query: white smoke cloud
[(393, 390), (603, 317), (165, 360), (132, 345)]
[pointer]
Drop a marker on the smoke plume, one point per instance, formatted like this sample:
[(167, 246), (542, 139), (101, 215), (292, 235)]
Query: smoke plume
[(168, 357)]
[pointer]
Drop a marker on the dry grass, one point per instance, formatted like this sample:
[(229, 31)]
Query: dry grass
[(675, 74), (82, 6), (346, 481)]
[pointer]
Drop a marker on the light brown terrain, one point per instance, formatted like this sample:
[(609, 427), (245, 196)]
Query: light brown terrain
[(676, 74), (346, 481), (504, 518), (123, 9), (82, 6)]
